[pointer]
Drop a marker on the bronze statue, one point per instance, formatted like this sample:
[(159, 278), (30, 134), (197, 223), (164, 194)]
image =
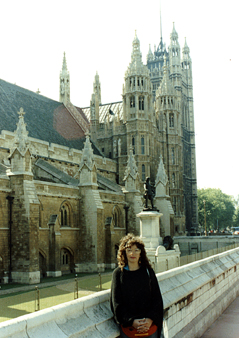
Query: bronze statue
[(148, 194)]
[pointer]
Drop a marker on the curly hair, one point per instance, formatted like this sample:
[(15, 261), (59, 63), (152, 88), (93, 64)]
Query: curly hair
[(127, 242)]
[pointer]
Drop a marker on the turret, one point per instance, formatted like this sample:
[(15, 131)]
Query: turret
[(175, 59), (94, 107), (20, 155), (64, 83), (137, 92)]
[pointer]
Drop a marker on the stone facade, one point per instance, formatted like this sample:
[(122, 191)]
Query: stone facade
[(66, 196), (156, 118), (58, 216)]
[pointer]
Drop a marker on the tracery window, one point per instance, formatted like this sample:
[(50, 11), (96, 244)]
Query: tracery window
[(117, 217), (132, 101), (171, 120), (142, 145), (173, 156), (65, 257), (133, 144), (141, 103), (173, 180), (65, 215)]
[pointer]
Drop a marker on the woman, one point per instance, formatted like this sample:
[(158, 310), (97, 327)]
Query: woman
[(136, 300)]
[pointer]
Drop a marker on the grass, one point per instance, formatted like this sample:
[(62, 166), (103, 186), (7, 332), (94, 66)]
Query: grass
[(21, 303)]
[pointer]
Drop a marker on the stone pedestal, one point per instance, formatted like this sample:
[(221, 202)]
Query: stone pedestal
[(149, 229), (160, 258)]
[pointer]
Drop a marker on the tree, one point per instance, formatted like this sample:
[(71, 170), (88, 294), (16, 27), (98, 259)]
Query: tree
[(219, 208)]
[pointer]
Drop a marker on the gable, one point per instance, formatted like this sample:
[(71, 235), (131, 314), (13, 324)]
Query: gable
[(46, 119)]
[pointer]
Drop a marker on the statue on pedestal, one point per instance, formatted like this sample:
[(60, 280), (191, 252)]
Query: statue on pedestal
[(149, 195)]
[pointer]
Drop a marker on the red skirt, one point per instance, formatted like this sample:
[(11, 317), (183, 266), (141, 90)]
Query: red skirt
[(131, 332)]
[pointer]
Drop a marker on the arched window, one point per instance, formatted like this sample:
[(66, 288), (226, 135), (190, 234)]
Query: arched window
[(143, 172), (117, 217), (65, 257), (173, 180), (133, 144), (142, 145), (173, 156), (174, 205), (132, 101), (65, 215), (141, 103), (171, 120)]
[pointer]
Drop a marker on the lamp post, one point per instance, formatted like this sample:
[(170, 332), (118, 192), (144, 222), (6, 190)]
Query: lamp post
[(204, 202)]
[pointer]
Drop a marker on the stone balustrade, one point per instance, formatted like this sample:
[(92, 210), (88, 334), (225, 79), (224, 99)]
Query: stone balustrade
[(194, 297)]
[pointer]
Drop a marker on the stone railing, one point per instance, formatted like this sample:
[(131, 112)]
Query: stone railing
[(194, 297)]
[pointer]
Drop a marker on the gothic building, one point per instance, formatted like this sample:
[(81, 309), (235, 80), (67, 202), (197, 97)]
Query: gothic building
[(156, 118), (71, 179)]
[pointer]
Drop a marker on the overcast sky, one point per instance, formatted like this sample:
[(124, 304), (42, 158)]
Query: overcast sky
[(97, 36)]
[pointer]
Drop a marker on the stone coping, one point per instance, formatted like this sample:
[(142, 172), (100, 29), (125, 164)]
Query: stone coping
[(194, 296)]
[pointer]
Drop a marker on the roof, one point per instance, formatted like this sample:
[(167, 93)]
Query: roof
[(104, 111), (56, 175), (46, 119)]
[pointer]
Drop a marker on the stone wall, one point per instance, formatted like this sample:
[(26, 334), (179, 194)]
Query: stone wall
[(194, 295), (192, 244)]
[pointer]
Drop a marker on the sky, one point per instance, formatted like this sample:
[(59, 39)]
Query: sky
[(97, 37)]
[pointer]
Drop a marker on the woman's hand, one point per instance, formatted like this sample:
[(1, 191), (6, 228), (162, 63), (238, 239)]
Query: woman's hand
[(142, 325)]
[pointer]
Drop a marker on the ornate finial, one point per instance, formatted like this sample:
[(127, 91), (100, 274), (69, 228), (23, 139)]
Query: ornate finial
[(131, 168), (21, 113), (87, 156), (21, 138), (64, 65), (161, 174)]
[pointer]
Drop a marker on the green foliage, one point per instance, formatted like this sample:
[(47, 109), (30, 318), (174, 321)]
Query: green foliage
[(219, 208), (236, 218)]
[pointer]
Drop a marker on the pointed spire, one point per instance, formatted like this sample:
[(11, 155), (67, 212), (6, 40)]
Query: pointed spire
[(64, 65), (186, 50), (131, 169), (136, 56), (87, 155), (97, 88), (22, 163), (21, 139), (174, 34), (165, 86), (161, 174), (161, 35), (136, 66), (150, 55), (64, 82), (131, 173)]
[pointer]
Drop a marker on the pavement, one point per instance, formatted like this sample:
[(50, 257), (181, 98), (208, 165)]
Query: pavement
[(47, 284), (227, 325)]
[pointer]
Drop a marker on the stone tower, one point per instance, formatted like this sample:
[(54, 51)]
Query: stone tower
[(138, 113), (169, 118), (189, 150), (64, 83), (24, 231), (155, 118), (174, 107)]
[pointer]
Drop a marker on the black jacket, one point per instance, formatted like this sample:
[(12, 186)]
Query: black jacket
[(134, 295)]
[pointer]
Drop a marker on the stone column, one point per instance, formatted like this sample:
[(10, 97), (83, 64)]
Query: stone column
[(150, 232)]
